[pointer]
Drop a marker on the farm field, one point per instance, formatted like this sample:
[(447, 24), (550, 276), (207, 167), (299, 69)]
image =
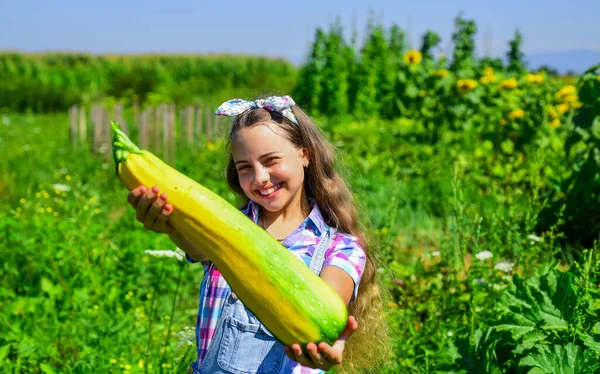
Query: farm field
[(478, 182)]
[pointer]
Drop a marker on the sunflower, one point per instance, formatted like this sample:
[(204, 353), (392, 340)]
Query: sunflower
[(509, 84), (466, 85), (413, 57), (568, 90), (516, 114), (535, 78)]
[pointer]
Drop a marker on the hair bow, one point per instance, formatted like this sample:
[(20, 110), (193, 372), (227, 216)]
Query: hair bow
[(280, 104)]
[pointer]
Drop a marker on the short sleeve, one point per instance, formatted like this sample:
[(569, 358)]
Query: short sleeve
[(205, 264), (189, 259), (347, 254)]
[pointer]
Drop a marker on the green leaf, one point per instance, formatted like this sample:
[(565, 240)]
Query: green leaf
[(529, 340), (50, 288), (4, 352), (516, 331), (47, 369), (508, 146), (47, 286), (561, 360), (565, 297), (591, 342)]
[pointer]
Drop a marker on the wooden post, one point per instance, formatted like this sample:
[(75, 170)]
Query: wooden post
[(216, 127), (120, 119), (73, 117), (208, 126), (166, 130), (107, 135), (83, 127), (189, 116), (199, 131), (173, 120), (136, 115), (156, 129), (96, 122), (143, 129)]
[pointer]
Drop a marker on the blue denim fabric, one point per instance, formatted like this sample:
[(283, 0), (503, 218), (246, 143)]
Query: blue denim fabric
[(242, 344)]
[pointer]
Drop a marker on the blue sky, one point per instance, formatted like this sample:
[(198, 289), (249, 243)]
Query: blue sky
[(283, 29)]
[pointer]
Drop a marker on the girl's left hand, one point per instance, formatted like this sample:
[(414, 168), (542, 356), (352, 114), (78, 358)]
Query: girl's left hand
[(322, 356)]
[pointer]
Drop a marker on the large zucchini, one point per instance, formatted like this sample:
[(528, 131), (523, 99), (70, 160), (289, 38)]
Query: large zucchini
[(295, 304)]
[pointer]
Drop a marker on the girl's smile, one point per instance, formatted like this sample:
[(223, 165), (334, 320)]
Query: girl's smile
[(270, 169), (271, 191)]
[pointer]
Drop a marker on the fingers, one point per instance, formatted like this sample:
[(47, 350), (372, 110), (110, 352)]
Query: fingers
[(155, 208), (135, 195), (351, 326), (330, 354), (152, 209), (315, 355), (295, 353), (161, 224), (323, 356), (144, 203)]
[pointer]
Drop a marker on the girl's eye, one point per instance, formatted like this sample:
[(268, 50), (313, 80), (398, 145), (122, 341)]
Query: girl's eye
[(243, 167), (271, 160)]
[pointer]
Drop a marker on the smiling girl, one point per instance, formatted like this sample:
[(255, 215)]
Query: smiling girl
[(282, 168)]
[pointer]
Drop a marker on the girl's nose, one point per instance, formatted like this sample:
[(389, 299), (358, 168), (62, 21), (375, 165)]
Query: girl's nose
[(261, 175)]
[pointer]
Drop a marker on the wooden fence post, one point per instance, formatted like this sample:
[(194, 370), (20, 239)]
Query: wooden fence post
[(73, 117), (199, 129), (189, 116), (83, 127)]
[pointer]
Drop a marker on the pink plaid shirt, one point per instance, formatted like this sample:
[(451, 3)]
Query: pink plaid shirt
[(344, 252)]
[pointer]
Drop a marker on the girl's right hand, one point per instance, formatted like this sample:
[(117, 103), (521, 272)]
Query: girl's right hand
[(152, 209)]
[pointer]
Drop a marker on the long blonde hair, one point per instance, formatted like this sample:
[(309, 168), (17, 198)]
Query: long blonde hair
[(368, 346)]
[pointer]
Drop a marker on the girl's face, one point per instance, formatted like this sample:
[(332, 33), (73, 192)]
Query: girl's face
[(270, 168)]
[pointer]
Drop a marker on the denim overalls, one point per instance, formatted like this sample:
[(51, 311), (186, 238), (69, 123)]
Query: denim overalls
[(242, 344)]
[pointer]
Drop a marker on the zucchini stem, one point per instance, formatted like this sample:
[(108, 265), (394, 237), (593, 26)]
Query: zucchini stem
[(121, 145)]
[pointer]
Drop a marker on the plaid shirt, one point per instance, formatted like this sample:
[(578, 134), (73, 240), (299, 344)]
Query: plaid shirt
[(344, 252)]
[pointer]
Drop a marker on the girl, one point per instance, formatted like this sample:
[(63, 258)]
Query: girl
[(282, 168)]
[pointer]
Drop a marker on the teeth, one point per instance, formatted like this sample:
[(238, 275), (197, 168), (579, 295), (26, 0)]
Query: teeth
[(269, 191)]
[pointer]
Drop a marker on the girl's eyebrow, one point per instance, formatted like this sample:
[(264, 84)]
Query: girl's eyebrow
[(260, 157)]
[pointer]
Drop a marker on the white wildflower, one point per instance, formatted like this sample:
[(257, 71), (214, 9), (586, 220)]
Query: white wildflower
[(380, 270), (505, 266), (534, 238), (187, 336), (61, 187), (435, 254), (479, 281), (484, 255), (450, 333), (177, 253)]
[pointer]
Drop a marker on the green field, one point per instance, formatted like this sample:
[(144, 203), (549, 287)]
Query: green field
[(478, 185)]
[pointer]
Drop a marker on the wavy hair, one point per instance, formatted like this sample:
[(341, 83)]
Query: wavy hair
[(368, 347)]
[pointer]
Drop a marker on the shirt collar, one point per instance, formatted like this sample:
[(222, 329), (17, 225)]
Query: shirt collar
[(314, 219)]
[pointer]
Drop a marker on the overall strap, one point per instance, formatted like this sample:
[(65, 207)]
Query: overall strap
[(318, 257)]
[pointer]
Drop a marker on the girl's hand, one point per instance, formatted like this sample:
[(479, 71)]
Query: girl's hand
[(152, 209), (322, 356)]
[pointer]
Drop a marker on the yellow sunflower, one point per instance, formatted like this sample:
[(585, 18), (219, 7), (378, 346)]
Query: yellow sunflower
[(509, 84), (413, 57), (466, 85), (516, 114)]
